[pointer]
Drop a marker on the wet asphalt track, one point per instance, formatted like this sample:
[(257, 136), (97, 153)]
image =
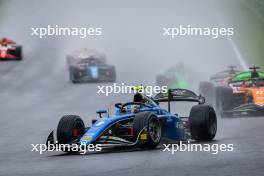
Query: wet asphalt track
[(34, 94)]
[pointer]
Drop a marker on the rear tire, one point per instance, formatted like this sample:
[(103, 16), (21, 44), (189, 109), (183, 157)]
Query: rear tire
[(162, 80), (153, 129), (112, 75), (203, 123)]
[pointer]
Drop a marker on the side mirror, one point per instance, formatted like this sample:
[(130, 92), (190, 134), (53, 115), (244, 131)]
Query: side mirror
[(100, 112)]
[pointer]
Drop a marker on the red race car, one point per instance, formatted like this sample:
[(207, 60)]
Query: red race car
[(9, 50)]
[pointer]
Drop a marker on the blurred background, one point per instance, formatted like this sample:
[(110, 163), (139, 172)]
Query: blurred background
[(36, 92), (248, 18), (132, 33)]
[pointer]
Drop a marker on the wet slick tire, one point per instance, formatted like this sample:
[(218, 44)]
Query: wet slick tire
[(70, 129), (203, 123), (112, 76), (18, 53), (150, 124), (225, 100), (73, 77)]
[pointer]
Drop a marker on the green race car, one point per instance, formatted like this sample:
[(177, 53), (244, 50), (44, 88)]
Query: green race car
[(175, 77)]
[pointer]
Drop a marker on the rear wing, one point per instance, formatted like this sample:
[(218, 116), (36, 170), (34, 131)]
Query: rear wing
[(178, 95)]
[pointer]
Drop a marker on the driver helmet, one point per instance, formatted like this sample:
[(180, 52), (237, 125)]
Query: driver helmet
[(248, 83), (139, 98)]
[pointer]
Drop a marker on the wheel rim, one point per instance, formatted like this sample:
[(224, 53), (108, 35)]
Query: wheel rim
[(154, 130), (77, 131)]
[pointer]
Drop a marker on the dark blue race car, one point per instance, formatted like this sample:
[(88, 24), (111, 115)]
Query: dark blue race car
[(141, 123), (90, 67)]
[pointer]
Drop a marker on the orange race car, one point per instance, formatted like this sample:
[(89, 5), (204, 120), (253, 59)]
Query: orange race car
[(9, 50), (244, 96), (254, 92)]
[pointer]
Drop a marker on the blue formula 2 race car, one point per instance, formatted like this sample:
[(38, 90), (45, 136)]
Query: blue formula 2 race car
[(141, 123)]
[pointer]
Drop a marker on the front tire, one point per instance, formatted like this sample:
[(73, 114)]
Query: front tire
[(70, 129), (224, 100), (18, 53), (148, 124)]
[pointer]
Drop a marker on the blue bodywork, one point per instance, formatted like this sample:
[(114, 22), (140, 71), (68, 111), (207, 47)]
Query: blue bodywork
[(94, 71), (172, 128)]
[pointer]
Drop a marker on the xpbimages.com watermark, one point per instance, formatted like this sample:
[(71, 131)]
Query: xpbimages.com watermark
[(193, 147), (128, 89), (56, 30), (50, 147), (188, 30)]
